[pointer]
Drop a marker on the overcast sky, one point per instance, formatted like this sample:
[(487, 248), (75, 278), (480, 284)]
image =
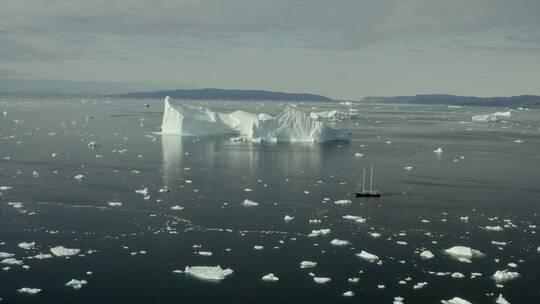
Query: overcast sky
[(340, 48)]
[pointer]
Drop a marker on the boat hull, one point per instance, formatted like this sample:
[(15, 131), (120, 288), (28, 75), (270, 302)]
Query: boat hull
[(368, 194)]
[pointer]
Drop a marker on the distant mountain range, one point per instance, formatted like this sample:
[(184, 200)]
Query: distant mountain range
[(525, 101), (222, 94)]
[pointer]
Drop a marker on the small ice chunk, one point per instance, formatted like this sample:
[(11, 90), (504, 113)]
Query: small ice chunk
[(27, 245), (501, 300), (270, 278), (320, 232), (214, 273), (4, 255), (419, 285), (28, 290), (176, 207), (462, 253), (321, 280), (76, 284), (78, 177), (11, 261), (93, 144), (348, 294), (457, 275), (439, 150), (258, 247), (61, 251), (307, 264), (455, 300), (41, 256), (426, 255), (501, 276), (115, 204), (205, 253), (142, 191), (337, 242), (355, 218), (367, 256), (249, 203), (288, 218), (493, 228), (408, 168), (343, 202)]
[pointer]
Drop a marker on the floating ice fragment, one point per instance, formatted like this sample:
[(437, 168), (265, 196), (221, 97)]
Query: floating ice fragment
[(367, 256), (494, 228), (343, 202), (258, 247), (4, 255), (321, 280), (375, 235), (78, 177), (114, 204), (61, 251), (462, 253), (501, 300), (270, 278), (76, 284), (420, 285), (439, 150), (214, 273), (320, 232), (93, 144), (288, 218), (408, 168), (426, 254), (493, 117), (142, 191), (336, 242), (249, 203), (204, 253), (176, 207), (348, 294), (27, 245), (11, 261), (457, 275), (455, 300), (28, 290), (501, 276), (41, 256), (307, 264), (355, 218)]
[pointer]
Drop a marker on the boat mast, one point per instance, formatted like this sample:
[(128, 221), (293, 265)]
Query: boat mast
[(371, 180), (364, 181)]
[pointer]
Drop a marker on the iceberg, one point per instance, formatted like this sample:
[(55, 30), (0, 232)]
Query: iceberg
[(291, 125), (493, 117)]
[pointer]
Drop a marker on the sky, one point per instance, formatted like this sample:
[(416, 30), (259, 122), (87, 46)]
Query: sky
[(344, 49)]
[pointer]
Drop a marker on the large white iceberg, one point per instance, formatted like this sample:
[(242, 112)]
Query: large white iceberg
[(493, 117), (291, 125)]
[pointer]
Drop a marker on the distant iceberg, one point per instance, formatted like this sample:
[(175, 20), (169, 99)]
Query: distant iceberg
[(493, 117), (291, 125)]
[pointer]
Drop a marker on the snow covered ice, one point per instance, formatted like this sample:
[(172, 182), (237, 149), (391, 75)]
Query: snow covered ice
[(61, 251), (493, 117), (291, 125)]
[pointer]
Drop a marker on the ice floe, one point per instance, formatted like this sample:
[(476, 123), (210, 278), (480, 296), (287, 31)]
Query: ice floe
[(463, 253), (249, 203), (11, 261), (28, 290), (270, 278), (308, 264), (348, 294), (501, 300), (214, 273), (76, 284), (337, 242), (319, 232), (455, 300), (321, 280), (501, 276), (492, 117), (426, 254), (61, 251), (367, 256)]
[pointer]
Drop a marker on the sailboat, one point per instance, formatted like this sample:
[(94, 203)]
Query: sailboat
[(371, 192)]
